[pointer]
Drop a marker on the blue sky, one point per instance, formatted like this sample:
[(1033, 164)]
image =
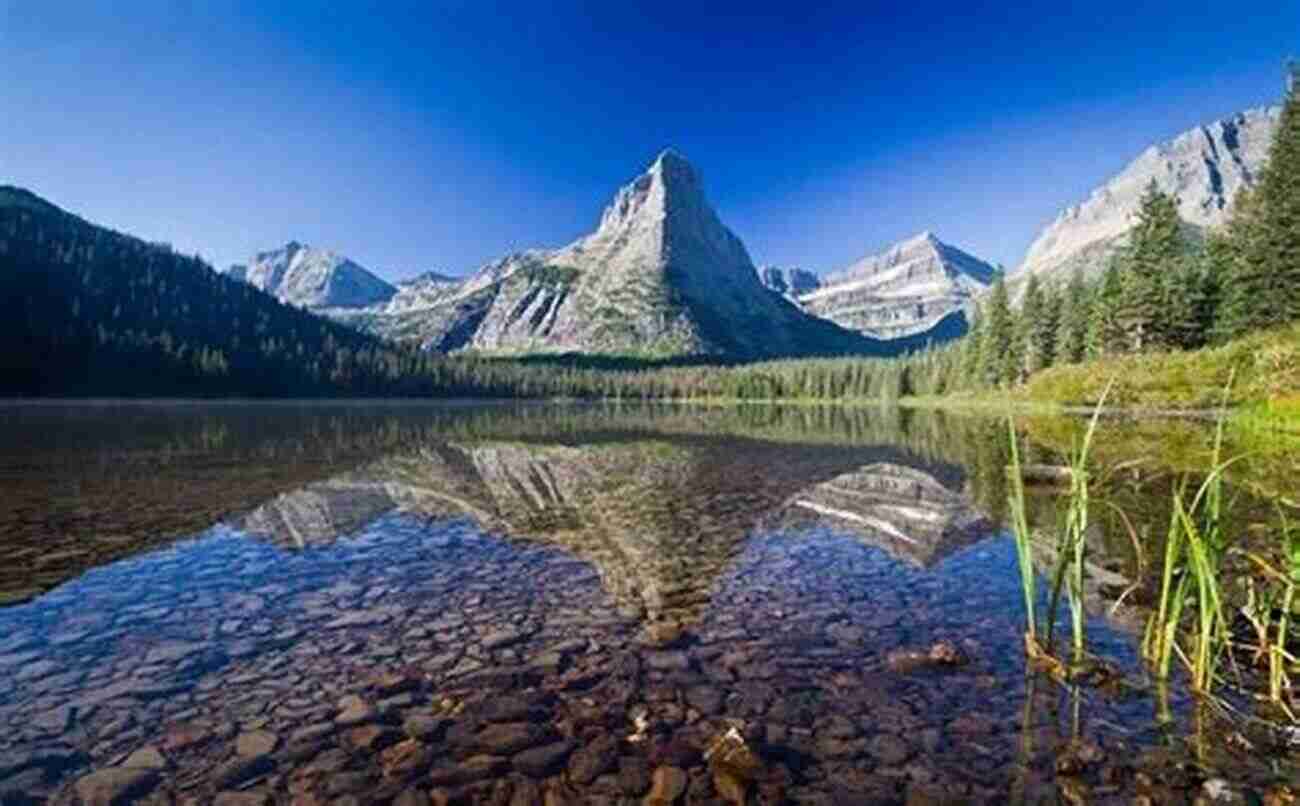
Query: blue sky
[(442, 135)]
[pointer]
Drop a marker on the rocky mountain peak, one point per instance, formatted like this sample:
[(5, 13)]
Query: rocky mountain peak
[(910, 288), (310, 277), (669, 186), (1203, 169)]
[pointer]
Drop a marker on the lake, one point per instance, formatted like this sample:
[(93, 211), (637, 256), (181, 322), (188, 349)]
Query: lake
[(543, 603)]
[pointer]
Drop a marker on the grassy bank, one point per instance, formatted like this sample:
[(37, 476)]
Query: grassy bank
[(1266, 387)]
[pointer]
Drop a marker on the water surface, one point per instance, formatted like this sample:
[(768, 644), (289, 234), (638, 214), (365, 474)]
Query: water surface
[(560, 604)]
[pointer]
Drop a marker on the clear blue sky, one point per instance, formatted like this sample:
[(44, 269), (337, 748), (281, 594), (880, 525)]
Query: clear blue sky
[(441, 135)]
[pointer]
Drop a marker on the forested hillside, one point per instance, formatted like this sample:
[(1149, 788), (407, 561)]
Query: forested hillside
[(1167, 291), (89, 311)]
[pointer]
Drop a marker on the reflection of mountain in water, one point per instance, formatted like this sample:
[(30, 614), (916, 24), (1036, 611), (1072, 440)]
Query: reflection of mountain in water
[(659, 518), (901, 509)]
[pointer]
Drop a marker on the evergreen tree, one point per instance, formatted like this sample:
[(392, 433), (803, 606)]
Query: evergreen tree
[(1075, 315), (1028, 323), (1263, 281), (972, 359), (1153, 254), (1044, 332), (1105, 334), (999, 352)]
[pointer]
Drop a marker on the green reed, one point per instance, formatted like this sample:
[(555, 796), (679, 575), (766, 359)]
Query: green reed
[(1023, 538), (1194, 551), (1260, 608), (1071, 541)]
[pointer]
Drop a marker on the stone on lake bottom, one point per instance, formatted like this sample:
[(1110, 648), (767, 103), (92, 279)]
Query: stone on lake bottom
[(115, 785)]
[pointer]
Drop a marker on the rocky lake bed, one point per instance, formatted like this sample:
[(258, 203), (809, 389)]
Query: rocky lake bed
[(634, 619)]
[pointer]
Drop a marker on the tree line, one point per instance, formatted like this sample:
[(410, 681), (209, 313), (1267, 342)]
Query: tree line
[(89, 311)]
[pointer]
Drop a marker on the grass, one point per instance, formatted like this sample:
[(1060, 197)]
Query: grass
[(1071, 545), (1266, 367)]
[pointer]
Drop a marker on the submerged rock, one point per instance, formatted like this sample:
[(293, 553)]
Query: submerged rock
[(116, 785), (942, 654)]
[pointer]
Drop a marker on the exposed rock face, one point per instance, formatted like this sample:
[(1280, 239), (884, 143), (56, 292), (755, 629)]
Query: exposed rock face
[(1203, 169), (908, 290), (312, 278), (789, 283), (660, 276)]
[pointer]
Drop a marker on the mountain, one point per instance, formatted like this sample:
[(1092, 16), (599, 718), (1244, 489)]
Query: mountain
[(1203, 169), (96, 312), (307, 277), (661, 276), (917, 287), (789, 283)]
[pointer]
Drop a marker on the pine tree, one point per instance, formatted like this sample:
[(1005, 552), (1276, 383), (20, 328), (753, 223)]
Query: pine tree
[(1045, 333), (1029, 322), (1187, 312), (1263, 281), (1105, 333), (972, 360), (999, 350), (1152, 255), (1075, 315)]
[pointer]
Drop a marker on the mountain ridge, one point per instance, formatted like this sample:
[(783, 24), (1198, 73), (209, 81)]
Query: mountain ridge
[(1203, 168), (904, 291), (661, 275)]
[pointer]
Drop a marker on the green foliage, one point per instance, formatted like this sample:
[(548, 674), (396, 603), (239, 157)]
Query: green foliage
[(553, 275), (1262, 257), (1076, 313), (1000, 350)]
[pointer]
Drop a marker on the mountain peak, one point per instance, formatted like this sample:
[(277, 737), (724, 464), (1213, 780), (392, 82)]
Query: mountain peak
[(672, 162)]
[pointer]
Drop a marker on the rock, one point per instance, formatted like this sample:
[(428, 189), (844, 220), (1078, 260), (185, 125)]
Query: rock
[(946, 653), (172, 652), (705, 699), (500, 639), (256, 743), (405, 759), (311, 734), (361, 618), (667, 784), (540, 762), (659, 239), (412, 797), (239, 771), (355, 711), (53, 760), (309, 277), (1203, 169), (53, 720), (426, 728), (146, 758), (506, 708), (730, 788), (241, 799), (507, 738), (115, 785), (633, 775), (905, 291), (888, 749), (593, 759), (728, 753), (942, 654), (1218, 790), (670, 661), (40, 668), (369, 738), (475, 768)]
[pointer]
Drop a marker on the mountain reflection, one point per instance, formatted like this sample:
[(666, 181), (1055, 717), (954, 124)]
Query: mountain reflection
[(659, 518)]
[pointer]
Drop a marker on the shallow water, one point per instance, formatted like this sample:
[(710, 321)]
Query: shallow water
[(519, 604)]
